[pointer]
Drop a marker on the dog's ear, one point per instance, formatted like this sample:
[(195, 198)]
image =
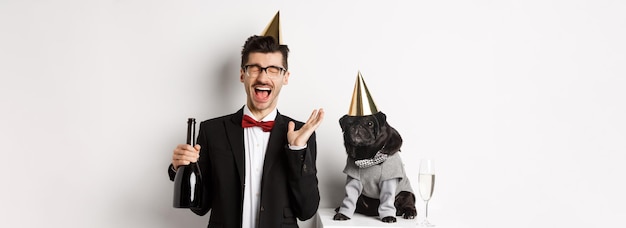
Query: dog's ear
[(342, 122), (381, 117), (394, 141)]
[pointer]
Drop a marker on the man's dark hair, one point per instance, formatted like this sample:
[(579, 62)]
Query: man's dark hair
[(263, 44)]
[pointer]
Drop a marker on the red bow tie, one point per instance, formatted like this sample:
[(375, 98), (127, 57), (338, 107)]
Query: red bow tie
[(249, 122)]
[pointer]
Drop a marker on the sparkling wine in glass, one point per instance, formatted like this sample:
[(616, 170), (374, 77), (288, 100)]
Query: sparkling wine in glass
[(426, 182)]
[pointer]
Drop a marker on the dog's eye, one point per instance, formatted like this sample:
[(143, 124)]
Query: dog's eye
[(370, 124)]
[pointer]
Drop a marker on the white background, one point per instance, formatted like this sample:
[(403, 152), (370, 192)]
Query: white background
[(521, 103)]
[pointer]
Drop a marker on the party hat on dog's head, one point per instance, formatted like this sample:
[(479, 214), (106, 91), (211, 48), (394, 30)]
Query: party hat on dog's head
[(362, 103), (273, 29)]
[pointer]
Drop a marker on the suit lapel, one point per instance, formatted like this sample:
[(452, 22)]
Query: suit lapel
[(235, 138), (275, 145), (274, 148)]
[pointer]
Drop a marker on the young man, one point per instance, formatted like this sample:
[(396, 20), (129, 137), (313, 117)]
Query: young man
[(253, 176)]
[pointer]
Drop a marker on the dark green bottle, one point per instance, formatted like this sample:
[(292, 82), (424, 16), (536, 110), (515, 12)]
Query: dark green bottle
[(188, 181)]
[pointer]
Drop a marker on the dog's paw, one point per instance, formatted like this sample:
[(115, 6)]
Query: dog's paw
[(389, 219), (410, 213), (340, 216)]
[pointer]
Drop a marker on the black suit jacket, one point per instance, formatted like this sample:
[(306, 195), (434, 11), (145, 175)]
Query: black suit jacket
[(289, 186)]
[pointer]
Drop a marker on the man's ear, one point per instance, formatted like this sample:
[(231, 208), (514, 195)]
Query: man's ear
[(286, 78)]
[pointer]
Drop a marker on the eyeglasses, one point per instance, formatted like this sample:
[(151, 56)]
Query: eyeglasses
[(271, 71)]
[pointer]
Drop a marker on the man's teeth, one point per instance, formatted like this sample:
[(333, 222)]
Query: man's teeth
[(263, 89)]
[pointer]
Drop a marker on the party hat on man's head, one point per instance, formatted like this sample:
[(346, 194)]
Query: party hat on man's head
[(362, 103), (273, 29)]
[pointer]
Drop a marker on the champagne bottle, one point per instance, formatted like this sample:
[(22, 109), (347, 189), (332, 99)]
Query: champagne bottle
[(188, 180)]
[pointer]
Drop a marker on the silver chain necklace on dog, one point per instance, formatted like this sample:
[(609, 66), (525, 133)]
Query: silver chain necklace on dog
[(377, 159)]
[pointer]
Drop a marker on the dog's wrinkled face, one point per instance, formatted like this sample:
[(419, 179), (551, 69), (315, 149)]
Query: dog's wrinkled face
[(365, 135), (360, 130)]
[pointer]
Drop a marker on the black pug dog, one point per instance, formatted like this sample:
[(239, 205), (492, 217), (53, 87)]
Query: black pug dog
[(377, 184)]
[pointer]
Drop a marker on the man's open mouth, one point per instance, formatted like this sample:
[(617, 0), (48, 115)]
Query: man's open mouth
[(262, 92)]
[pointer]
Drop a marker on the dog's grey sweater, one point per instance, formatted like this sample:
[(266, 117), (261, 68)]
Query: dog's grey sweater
[(375, 182), (371, 177)]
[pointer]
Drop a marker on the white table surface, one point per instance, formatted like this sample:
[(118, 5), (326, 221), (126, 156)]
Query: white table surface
[(325, 220)]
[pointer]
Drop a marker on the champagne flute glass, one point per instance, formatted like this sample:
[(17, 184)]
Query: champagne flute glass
[(426, 182)]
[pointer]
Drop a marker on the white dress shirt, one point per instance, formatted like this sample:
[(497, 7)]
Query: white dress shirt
[(255, 145)]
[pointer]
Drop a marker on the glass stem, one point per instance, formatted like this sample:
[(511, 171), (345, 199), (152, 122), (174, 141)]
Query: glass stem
[(426, 215)]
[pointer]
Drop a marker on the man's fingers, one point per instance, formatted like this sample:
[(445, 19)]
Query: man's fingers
[(313, 117), (177, 163), (182, 148), (187, 156), (291, 126), (183, 154), (320, 116), (316, 118)]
